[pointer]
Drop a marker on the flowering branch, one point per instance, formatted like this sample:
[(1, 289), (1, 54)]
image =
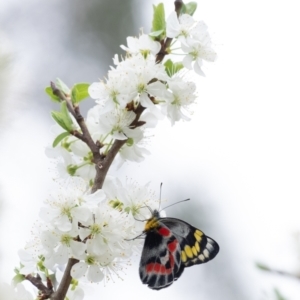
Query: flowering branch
[(165, 44), (103, 166), (89, 221), (62, 290), (75, 111), (38, 283)]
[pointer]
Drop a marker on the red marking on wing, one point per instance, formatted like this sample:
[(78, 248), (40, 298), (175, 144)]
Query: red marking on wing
[(173, 246), (172, 261), (158, 268), (164, 231)]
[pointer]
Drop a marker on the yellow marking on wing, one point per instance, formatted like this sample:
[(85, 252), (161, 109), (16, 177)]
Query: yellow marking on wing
[(197, 246), (188, 251), (197, 235), (183, 256), (194, 251), (199, 232)]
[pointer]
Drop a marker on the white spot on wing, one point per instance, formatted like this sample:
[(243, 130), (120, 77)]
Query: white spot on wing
[(206, 253), (209, 246), (201, 257)]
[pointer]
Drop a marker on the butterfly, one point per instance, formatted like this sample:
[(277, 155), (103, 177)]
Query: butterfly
[(170, 246)]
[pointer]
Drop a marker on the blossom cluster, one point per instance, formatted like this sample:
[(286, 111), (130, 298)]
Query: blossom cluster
[(137, 92), (99, 229), (194, 38), (140, 79)]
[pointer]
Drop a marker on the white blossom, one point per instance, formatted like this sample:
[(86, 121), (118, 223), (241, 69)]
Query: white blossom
[(28, 260), (179, 28), (117, 123), (73, 158), (115, 90), (133, 150), (105, 231), (77, 294), (196, 52), (131, 197), (180, 97), (61, 245), (194, 38), (144, 45), (63, 206), (90, 268)]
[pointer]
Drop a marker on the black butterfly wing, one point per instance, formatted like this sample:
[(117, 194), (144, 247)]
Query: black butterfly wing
[(160, 261), (196, 247)]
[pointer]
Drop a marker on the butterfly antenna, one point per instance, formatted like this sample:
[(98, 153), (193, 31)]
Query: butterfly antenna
[(151, 211), (134, 237), (139, 219), (160, 192), (176, 203)]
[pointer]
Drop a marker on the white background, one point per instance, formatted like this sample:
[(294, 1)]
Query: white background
[(241, 149)]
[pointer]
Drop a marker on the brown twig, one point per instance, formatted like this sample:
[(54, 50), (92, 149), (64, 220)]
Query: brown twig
[(102, 166), (75, 111), (45, 292), (178, 5), (62, 290), (165, 44), (57, 92)]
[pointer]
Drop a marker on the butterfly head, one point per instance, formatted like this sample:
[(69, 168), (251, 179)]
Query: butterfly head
[(153, 222)]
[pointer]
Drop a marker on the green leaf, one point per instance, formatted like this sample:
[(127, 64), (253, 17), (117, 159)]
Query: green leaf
[(262, 267), (66, 115), (62, 86), (156, 33), (59, 138), (63, 118), (279, 295), (172, 68), (53, 97), (18, 278), (159, 22), (58, 118), (189, 8), (80, 92)]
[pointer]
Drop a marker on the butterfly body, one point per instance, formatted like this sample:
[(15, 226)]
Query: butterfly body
[(171, 245)]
